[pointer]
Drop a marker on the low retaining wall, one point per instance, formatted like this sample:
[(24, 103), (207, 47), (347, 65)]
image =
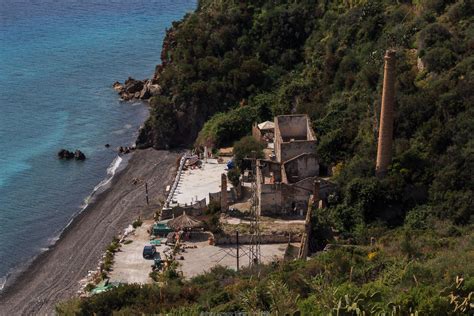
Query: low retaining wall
[(225, 239), (176, 179), (168, 213)]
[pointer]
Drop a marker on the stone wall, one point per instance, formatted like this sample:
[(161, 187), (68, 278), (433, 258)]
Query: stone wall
[(270, 199), (292, 126), (267, 167), (285, 199), (289, 150), (300, 167), (295, 196), (256, 132), (216, 197), (293, 136), (245, 239)]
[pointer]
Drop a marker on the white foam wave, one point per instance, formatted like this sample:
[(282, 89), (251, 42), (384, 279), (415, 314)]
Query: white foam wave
[(3, 280), (110, 174)]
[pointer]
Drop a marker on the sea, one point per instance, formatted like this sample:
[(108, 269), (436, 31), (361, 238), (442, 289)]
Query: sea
[(58, 61)]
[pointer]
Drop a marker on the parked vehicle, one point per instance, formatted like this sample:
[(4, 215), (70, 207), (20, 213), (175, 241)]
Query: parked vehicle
[(149, 252)]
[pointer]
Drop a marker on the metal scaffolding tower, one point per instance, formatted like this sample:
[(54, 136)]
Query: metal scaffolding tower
[(255, 241)]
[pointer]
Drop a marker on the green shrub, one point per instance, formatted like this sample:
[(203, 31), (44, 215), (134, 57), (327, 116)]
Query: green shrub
[(234, 176), (137, 223), (417, 218), (247, 147)]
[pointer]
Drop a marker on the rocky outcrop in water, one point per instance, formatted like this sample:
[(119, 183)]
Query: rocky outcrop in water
[(79, 155), (136, 89), (126, 149), (66, 154)]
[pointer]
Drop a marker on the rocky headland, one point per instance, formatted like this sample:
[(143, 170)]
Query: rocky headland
[(136, 89)]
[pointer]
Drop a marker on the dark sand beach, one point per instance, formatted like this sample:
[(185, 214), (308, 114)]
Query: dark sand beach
[(54, 275)]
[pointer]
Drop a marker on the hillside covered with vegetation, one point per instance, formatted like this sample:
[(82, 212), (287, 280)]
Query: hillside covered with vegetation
[(232, 63)]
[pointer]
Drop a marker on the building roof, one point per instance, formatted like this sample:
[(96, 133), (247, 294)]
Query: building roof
[(184, 221), (266, 125), (226, 151)]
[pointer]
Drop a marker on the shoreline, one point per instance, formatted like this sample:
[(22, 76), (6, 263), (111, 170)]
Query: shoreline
[(54, 274), (116, 166)]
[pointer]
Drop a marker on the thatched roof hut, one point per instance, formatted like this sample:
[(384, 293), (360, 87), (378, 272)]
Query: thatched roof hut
[(184, 222)]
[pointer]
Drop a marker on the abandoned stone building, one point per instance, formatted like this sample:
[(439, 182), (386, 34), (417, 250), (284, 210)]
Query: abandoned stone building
[(285, 183)]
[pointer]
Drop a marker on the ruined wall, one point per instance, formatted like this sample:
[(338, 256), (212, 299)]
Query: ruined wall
[(285, 199), (292, 126), (256, 132), (310, 135), (295, 148), (216, 196), (295, 196), (300, 167), (270, 199), (293, 136), (277, 142), (266, 167), (195, 210)]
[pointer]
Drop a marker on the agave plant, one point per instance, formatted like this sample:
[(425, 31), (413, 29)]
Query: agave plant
[(282, 300), (461, 302)]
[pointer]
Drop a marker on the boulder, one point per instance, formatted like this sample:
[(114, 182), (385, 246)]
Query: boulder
[(154, 89), (145, 93), (125, 96), (118, 86), (133, 86), (65, 154), (79, 155)]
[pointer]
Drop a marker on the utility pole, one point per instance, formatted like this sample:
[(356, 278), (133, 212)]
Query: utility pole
[(237, 242), (146, 193), (254, 247)]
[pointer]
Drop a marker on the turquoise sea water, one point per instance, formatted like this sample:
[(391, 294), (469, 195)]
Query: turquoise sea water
[(58, 60)]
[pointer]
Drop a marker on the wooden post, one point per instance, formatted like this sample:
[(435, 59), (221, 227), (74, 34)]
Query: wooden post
[(237, 242), (224, 205), (316, 187), (146, 193)]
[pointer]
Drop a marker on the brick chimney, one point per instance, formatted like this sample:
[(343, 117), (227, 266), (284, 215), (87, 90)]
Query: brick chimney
[(224, 205), (384, 149)]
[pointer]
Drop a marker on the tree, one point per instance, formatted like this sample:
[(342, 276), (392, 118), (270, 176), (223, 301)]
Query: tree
[(247, 147)]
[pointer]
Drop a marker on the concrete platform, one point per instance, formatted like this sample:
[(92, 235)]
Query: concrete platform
[(196, 184), (204, 257), (129, 266)]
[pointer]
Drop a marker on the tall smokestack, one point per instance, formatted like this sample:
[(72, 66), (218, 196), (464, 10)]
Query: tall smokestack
[(384, 149)]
